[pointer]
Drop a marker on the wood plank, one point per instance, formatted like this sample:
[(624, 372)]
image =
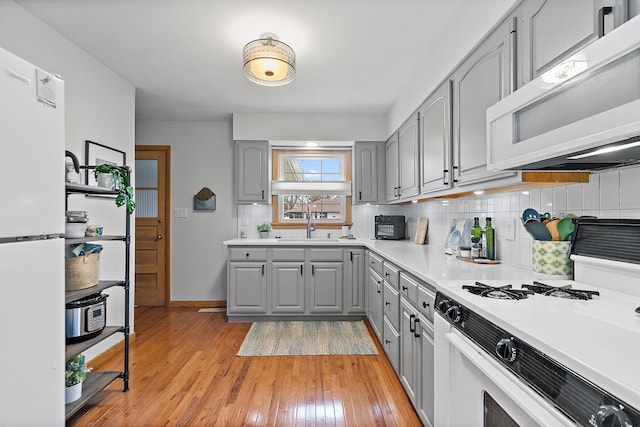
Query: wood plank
[(184, 371)]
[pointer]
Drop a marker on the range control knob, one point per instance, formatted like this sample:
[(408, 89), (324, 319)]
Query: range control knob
[(612, 416), (444, 305), (454, 314), (506, 349)]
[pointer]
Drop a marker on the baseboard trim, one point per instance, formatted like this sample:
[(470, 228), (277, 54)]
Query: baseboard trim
[(199, 304)]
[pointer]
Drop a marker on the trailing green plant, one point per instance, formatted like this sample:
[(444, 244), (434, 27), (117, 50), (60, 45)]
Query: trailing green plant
[(266, 227), (75, 371), (120, 184)]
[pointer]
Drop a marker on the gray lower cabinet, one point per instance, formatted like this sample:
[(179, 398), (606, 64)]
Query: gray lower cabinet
[(326, 287), (426, 395), (287, 287), (247, 292), (409, 351), (355, 292), (391, 345), (374, 302)]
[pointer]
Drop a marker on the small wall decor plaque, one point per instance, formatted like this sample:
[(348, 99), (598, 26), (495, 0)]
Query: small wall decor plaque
[(205, 200)]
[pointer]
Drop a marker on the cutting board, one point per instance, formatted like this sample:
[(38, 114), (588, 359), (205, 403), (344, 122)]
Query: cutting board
[(478, 260), (421, 231)]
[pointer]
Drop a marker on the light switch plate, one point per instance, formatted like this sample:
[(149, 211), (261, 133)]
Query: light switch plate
[(180, 212), (509, 228)]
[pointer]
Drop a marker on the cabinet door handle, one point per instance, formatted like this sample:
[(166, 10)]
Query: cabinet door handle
[(378, 288), (412, 323), (425, 305), (313, 270), (416, 333), (301, 270), (263, 194), (455, 168), (387, 342), (359, 195), (513, 52), (601, 14), (351, 256), (387, 303), (444, 176), (247, 255), (263, 269)]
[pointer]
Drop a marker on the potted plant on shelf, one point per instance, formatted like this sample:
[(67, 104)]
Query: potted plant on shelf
[(264, 230), (74, 375), (119, 176)]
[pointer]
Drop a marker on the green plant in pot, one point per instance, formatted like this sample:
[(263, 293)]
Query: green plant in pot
[(264, 230), (120, 177), (74, 375)]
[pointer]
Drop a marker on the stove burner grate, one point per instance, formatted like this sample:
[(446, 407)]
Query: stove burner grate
[(497, 292), (561, 291)]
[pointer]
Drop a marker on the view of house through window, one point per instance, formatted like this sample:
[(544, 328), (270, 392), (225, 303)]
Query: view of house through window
[(311, 184)]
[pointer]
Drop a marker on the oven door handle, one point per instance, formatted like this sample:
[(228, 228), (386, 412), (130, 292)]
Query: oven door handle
[(525, 398)]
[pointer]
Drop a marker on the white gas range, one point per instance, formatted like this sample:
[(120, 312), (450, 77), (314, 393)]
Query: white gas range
[(540, 359)]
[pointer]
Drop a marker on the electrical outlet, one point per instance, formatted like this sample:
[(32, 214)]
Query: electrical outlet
[(509, 225)]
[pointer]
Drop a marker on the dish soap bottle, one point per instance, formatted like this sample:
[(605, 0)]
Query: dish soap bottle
[(491, 239)]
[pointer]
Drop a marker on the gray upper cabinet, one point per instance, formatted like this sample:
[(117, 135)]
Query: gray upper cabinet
[(634, 8), (403, 163), (409, 160), (391, 165), (480, 81), (369, 175), (252, 172), (552, 30), (435, 140)]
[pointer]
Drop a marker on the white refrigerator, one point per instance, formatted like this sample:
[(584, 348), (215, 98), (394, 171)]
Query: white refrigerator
[(32, 222)]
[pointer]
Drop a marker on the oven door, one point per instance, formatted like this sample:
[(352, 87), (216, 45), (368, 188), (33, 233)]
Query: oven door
[(473, 389)]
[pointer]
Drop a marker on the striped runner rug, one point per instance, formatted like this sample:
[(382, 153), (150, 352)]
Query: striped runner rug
[(307, 338)]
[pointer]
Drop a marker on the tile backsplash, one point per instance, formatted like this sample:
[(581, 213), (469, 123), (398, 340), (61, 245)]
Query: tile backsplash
[(609, 194)]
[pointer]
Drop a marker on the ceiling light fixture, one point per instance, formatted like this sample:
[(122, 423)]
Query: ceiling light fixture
[(268, 61)]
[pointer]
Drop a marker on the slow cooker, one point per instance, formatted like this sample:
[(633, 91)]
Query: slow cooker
[(86, 317)]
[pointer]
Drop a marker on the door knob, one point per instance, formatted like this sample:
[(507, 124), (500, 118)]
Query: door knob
[(159, 237)]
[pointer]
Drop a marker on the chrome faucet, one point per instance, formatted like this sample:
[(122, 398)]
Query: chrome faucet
[(310, 227)]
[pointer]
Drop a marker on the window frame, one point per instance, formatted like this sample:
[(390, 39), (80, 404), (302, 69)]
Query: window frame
[(319, 223)]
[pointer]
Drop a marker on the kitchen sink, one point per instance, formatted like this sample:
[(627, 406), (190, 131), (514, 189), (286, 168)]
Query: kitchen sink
[(305, 240)]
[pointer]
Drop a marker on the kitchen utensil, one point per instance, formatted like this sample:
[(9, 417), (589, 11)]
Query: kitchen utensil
[(565, 227), (552, 226), (530, 214), (538, 230), (545, 215)]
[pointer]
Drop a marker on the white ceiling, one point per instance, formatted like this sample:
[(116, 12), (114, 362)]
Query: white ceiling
[(185, 56)]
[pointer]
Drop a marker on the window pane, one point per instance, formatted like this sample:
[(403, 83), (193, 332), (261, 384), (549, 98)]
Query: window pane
[(147, 173), (295, 208), (331, 166), (146, 204)]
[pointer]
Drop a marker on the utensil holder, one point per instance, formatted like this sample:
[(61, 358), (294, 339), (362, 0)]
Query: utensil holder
[(552, 258)]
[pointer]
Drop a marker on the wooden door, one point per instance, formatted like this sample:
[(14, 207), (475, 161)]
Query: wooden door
[(152, 225)]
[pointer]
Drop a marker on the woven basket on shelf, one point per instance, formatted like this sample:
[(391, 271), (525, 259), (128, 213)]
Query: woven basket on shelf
[(81, 272)]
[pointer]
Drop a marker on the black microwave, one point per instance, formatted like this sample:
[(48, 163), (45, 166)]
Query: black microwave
[(390, 227)]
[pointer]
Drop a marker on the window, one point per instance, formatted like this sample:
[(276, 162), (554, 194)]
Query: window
[(315, 184)]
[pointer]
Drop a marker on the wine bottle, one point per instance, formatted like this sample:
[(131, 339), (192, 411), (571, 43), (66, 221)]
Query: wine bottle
[(491, 239), (476, 230)]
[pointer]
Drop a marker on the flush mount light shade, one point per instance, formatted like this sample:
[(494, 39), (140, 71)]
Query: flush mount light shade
[(269, 62)]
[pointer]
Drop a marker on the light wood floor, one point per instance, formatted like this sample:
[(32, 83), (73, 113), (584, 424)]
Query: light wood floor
[(185, 372)]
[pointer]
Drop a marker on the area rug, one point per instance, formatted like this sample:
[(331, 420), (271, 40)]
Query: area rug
[(307, 338)]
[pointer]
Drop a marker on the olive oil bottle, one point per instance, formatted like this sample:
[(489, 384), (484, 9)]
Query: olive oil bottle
[(491, 239)]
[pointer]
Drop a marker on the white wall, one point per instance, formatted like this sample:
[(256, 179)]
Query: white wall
[(309, 126), (202, 155), (99, 106)]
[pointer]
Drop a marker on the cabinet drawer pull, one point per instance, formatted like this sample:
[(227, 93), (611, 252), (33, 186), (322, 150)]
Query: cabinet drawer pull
[(263, 194), (601, 14), (247, 255), (387, 303), (301, 270), (425, 305), (412, 323), (313, 270), (378, 289), (404, 288), (387, 342), (263, 269), (351, 256)]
